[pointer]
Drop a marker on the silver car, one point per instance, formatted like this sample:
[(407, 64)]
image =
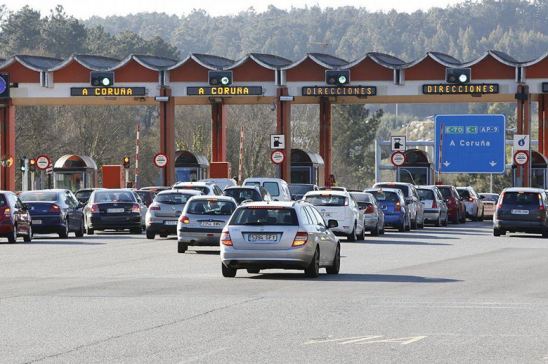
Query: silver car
[(202, 221), (435, 208), (280, 235), (373, 217), (164, 212)]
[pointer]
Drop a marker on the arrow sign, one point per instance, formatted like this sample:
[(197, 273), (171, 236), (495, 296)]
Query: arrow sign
[(446, 164), (493, 163)]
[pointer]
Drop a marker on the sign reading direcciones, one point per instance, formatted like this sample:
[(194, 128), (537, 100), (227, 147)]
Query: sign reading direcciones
[(468, 89), (339, 91)]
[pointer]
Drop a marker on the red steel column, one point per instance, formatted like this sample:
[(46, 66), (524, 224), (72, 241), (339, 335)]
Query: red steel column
[(283, 126), (326, 136), (7, 140), (218, 132), (167, 135), (543, 123)]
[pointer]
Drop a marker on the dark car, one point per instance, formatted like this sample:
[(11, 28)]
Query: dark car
[(521, 210), (54, 211), (15, 219), (455, 206), (298, 190), (116, 209), (83, 195), (247, 193), (146, 196)]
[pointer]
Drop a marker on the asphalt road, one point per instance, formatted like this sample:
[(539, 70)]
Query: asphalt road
[(451, 295)]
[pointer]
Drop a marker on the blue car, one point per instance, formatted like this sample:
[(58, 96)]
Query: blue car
[(392, 203), (54, 211)]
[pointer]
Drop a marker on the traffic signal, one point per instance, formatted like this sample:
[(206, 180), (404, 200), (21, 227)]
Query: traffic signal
[(22, 164), (102, 79), (126, 162), (4, 86), (337, 78), (220, 78), (457, 75), (32, 165)]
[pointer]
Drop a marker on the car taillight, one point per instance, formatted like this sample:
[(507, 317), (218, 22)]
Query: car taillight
[(471, 199), (7, 211), (300, 239), (94, 208), (184, 219), (54, 208), (135, 208), (225, 238), (369, 209), (154, 207), (434, 204), (499, 205), (397, 207)]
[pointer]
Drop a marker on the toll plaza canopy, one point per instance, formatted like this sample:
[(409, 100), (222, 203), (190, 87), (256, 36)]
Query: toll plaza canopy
[(265, 79)]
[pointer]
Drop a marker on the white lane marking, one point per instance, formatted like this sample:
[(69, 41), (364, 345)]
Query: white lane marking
[(369, 339), (400, 340), (200, 357), (361, 339), (327, 340)]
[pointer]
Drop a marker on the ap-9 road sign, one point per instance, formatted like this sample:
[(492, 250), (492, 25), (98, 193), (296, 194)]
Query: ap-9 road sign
[(470, 143)]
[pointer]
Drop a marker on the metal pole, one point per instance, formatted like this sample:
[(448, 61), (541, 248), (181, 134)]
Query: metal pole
[(491, 183), (241, 161), (25, 174), (127, 175), (32, 181), (377, 161), (137, 142)]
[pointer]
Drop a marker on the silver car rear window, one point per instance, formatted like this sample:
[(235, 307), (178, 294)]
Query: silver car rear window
[(172, 198), (264, 216), (210, 207), (327, 200)]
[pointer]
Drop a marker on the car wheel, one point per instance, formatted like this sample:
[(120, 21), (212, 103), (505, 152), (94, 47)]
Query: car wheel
[(12, 237), (446, 221), (545, 234), (28, 238), (150, 235), (228, 272), (336, 266), (313, 269), (382, 231), (253, 271), (81, 231), (408, 227), (64, 234), (402, 228), (352, 236), (414, 224), (181, 247), (456, 219), (361, 236), (496, 232), (482, 217)]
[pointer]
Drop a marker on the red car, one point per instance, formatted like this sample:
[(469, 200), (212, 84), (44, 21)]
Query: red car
[(15, 219), (456, 211)]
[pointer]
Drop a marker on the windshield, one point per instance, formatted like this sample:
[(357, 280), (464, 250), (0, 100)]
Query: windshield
[(490, 197), (83, 195), (172, 198), (327, 200), (114, 196), (361, 197), (38, 196), (426, 195), (300, 189), (202, 189), (521, 198), (210, 207), (403, 188), (264, 216), (242, 194), (271, 187), (445, 192)]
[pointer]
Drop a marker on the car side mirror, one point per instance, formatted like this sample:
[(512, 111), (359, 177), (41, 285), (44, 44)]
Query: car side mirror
[(332, 224)]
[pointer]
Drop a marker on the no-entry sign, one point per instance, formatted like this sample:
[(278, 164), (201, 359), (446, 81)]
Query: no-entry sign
[(42, 162), (277, 156), (521, 157), (397, 158), (160, 160)]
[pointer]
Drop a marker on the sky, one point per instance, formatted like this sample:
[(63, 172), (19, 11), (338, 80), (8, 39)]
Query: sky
[(84, 9)]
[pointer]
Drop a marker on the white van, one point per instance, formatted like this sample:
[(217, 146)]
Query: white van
[(278, 188)]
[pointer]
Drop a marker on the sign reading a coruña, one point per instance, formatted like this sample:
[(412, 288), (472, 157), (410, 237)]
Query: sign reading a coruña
[(339, 91), (107, 91), (463, 89), (225, 91)]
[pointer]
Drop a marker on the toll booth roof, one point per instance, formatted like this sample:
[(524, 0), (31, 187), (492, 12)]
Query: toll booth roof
[(71, 161)]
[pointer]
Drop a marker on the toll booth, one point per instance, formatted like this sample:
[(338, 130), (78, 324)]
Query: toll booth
[(190, 167), (417, 168), (539, 165), (74, 172), (306, 167)]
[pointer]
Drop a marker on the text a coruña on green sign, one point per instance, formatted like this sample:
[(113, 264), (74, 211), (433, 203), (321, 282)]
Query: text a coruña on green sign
[(469, 129)]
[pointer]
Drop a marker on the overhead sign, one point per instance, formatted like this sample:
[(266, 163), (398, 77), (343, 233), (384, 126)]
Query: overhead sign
[(397, 158), (398, 143), (160, 160), (460, 89), (521, 157), (108, 91), (521, 142), (339, 91), (470, 143), (277, 141), (42, 162), (225, 91), (4, 86), (277, 156)]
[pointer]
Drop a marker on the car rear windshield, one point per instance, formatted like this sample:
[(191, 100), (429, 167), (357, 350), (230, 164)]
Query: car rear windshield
[(172, 198), (202, 189), (300, 189), (114, 196), (242, 194), (521, 198), (38, 196), (361, 197), (210, 207), (83, 195), (445, 192), (403, 188), (272, 188), (264, 216), (488, 197), (464, 193), (426, 194), (386, 196), (327, 200)]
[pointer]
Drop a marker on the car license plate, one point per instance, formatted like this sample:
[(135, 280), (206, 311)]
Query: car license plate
[(113, 211), (170, 222), (211, 223), (520, 212), (37, 222), (257, 238)]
